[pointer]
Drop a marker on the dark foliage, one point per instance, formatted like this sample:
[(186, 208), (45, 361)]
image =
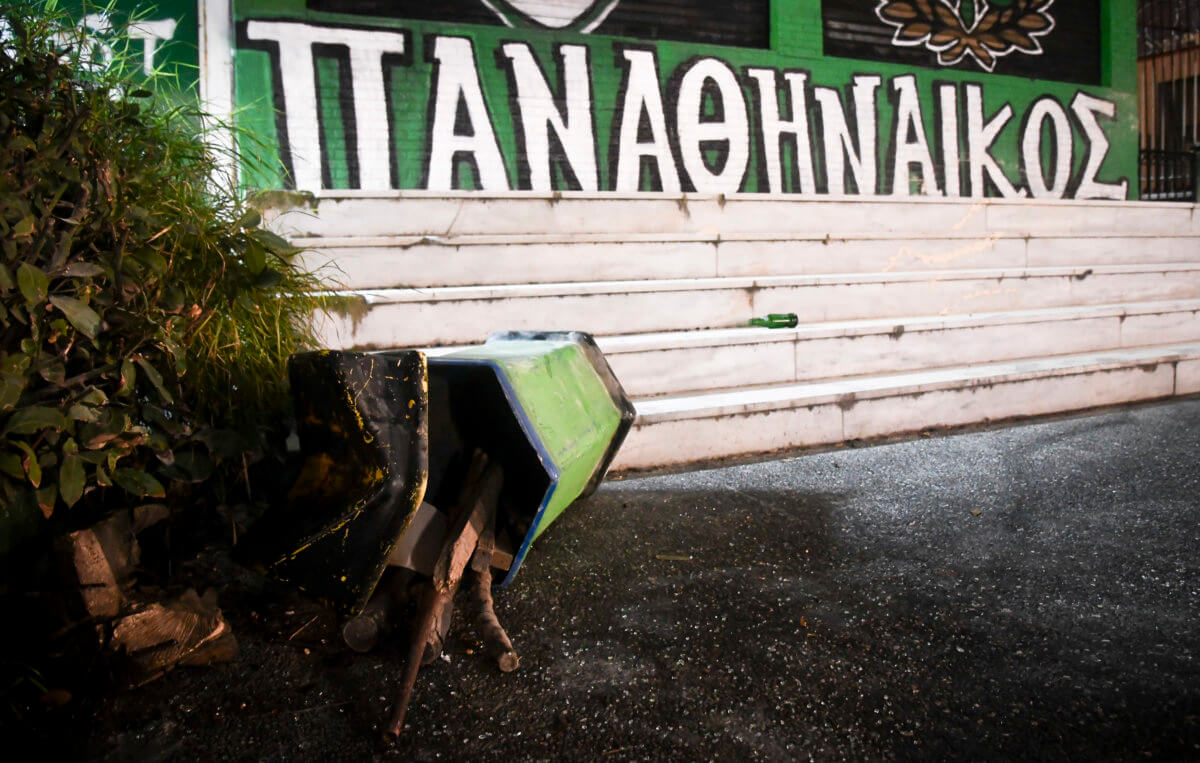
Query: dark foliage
[(145, 314)]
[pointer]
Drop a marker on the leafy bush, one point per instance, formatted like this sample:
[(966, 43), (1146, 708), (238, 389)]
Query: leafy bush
[(146, 316)]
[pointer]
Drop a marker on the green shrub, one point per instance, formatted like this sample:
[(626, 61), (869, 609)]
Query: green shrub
[(146, 316)]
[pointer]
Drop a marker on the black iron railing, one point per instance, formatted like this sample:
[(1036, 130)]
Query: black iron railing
[(1169, 94), (1167, 175)]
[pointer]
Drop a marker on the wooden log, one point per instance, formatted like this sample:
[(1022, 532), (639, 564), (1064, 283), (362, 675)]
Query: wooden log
[(495, 640), (364, 632), (436, 640), (478, 498), (487, 625)]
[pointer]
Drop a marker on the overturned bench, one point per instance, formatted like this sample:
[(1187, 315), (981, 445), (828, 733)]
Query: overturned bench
[(436, 467)]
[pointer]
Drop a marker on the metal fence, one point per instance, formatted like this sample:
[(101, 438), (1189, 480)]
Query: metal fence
[(1169, 91), (1167, 175)]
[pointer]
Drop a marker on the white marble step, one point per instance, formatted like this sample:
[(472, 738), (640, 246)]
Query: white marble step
[(691, 428), (417, 317), (423, 213), (676, 362), (376, 262)]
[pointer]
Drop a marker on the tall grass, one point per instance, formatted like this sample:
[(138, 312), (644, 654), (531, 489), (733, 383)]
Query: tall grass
[(146, 316)]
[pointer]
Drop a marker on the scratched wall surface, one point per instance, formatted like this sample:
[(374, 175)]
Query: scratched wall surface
[(968, 98)]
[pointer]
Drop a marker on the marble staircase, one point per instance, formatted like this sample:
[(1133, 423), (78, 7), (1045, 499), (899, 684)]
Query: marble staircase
[(913, 314)]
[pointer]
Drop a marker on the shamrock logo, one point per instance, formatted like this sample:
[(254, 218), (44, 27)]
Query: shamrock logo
[(955, 29), (581, 16)]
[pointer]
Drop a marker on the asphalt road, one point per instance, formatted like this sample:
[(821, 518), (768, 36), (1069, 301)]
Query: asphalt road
[(1025, 593)]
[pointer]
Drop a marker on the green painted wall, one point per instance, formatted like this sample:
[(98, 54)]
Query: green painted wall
[(365, 110), (161, 36)]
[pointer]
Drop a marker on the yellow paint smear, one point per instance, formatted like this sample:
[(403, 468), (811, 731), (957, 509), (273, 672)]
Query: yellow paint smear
[(911, 253)]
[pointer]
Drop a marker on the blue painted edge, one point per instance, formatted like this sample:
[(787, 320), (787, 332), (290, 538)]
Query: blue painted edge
[(592, 352), (531, 434)]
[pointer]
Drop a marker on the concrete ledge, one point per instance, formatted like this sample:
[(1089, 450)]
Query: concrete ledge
[(458, 315), (408, 241), (350, 194), (510, 291), (680, 430), (843, 391), (417, 213), (371, 262), (678, 362), (875, 326)]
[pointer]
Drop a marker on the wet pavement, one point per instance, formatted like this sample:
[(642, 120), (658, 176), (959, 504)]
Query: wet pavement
[(1025, 593)]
